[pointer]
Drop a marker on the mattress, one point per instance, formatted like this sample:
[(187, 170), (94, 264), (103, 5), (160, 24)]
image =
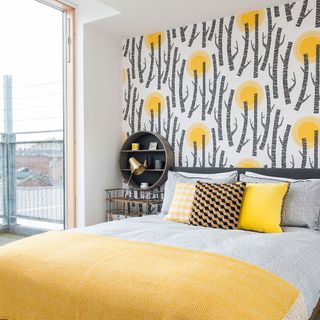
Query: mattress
[(294, 255)]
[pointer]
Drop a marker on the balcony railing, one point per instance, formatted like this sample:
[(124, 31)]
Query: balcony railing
[(32, 180), (2, 211)]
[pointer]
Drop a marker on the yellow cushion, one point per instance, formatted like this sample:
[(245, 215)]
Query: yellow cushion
[(261, 207), (181, 205)]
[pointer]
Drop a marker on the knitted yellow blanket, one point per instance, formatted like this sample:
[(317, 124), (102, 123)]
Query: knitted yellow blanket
[(77, 276)]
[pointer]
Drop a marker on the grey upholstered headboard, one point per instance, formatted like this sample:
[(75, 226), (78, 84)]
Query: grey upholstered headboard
[(277, 172)]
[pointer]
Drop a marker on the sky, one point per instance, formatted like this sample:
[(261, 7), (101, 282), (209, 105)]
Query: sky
[(31, 47)]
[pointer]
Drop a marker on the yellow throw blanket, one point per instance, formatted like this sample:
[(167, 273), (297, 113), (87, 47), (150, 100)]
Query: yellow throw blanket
[(77, 276)]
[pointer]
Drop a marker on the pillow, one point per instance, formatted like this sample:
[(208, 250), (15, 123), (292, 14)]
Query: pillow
[(258, 175), (217, 205), (302, 204), (261, 207), (174, 177), (180, 208), (225, 174)]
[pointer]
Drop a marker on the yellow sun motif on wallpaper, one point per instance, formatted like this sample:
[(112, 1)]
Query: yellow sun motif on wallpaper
[(124, 75), (152, 102), (154, 38), (196, 60), (195, 133), (307, 43), (246, 92), (305, 128), (249, 18), (248, 163)]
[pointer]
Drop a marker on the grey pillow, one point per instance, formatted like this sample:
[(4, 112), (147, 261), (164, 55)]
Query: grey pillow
[(174, 177), (259, 175), (225, 174), (301, 207)]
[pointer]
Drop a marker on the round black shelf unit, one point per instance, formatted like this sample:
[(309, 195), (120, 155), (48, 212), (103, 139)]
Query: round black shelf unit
[(154, 177)]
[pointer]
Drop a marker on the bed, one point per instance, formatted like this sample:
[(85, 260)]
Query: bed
[(280, 254), (293, 255)]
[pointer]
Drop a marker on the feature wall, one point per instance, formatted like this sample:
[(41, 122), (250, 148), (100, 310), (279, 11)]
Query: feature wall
[(240, 91)]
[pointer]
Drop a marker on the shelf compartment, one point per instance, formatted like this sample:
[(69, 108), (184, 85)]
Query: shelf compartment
[(141, 151)]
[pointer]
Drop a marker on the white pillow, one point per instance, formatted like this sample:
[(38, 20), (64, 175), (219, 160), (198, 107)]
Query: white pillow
[(174, 177)]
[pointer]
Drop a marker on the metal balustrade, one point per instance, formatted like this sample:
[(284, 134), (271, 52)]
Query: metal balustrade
[(2, 212), (32, 180)]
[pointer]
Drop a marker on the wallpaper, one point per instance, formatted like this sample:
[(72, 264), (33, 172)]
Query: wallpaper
[(239, 91)]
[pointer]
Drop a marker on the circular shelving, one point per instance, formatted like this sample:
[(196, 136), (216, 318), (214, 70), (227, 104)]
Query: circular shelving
[(154, 177)]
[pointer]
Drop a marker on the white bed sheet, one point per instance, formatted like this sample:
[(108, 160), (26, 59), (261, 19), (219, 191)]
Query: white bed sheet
[(294, 255)]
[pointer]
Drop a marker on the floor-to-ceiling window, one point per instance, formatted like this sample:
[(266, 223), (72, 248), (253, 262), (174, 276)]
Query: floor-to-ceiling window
[(36, 104)]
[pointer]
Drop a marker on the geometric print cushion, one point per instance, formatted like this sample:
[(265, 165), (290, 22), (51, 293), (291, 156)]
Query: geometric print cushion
[(181, 205), (217, 205)]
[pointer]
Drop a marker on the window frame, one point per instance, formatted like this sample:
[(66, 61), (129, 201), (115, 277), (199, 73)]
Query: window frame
[(69, 121)]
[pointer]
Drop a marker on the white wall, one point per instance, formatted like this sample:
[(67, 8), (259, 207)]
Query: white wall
[(102, 119), (87, 12)]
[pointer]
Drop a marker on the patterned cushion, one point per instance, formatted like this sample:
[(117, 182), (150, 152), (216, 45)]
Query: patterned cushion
[(217, 205), (181, 205), (174, 177)]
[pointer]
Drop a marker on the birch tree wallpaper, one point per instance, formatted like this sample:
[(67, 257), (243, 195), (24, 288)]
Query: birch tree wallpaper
[(241, 91)]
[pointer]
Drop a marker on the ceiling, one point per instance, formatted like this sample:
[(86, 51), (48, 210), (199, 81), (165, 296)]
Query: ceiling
[(144, 16)]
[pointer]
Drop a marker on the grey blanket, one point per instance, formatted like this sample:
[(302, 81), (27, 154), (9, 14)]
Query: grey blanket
[(293, 255)]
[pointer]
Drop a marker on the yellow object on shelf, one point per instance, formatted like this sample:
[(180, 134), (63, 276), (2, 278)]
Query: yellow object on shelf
[(135, 146)]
